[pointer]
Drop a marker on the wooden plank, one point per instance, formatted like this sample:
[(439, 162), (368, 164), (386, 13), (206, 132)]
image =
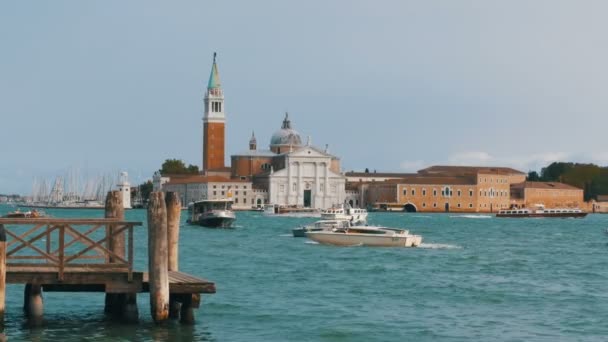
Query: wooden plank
[(75, 237), (97, 245), (62, 261), (118, 279), (25, 234), (28, 244), (60, 221)]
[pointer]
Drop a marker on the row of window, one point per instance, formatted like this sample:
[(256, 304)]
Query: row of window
[(457, 205), (499, 180), (223, 193), (445, 192), (294, 187), (492, 193), (230, 187)]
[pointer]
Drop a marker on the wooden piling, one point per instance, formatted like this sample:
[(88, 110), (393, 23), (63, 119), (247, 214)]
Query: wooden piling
[(2, 273), (158, 257), (174, 210), (33, 306), (114, 209)]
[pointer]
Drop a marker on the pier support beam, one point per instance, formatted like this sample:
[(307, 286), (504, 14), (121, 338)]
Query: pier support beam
[(2, 275), (33, 303), (174, 210), (158, 257), (189, 303)]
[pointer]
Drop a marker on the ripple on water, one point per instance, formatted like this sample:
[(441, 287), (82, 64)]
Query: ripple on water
[(473, 279)]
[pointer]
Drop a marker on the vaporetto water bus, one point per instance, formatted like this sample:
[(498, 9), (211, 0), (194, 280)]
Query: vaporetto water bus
[(541, 211)]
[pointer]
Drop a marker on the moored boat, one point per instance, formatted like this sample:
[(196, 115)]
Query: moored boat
[(25, 214), (356, 216), (541, 211), (290, 210), (366, 236), (320, 225), (212, 213)]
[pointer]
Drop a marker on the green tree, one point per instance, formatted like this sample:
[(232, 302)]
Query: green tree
[(533, 176), (178, 167)]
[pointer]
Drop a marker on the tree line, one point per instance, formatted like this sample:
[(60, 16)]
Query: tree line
[(593, 179)]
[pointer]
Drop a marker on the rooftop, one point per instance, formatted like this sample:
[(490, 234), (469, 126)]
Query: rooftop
[(470, 170), (378, 174), (545, 185), (197, 179)]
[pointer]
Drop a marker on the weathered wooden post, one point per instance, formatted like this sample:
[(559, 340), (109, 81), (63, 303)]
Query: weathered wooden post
[(2, 273), (158, 270), (34, 306), (174, 210), (114, 209)]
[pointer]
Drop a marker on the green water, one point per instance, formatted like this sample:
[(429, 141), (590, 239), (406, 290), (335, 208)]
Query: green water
[(475, 278)]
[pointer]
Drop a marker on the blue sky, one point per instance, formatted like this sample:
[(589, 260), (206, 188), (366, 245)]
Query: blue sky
[(390, 85)]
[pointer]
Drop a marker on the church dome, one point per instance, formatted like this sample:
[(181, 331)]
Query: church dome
[(286, 137)]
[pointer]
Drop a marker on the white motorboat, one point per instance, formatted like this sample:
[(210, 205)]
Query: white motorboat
[(320, 225), (356, 216), (212, 213), (366, 236)]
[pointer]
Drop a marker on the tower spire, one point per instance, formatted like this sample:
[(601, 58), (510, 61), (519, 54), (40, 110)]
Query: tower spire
[(214, 121), (253, 143), (214, 78)]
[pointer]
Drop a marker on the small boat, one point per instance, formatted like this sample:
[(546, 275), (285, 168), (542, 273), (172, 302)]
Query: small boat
[(25, 214), (540, 211), (212, 213), (366, 236), (320, 225), (356, 216), (290, 210)]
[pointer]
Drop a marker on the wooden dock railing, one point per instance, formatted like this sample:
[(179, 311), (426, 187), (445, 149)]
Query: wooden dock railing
[(60, 245), (97, 255)]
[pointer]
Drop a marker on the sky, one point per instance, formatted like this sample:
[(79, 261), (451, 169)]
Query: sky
[(393, 86)]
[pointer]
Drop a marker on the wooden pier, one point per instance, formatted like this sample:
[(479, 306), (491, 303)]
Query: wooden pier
[(96, 255)]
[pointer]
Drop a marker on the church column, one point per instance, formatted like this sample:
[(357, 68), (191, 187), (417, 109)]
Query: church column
[(300, 187), (317, 186), (327, 187), (289, 181)]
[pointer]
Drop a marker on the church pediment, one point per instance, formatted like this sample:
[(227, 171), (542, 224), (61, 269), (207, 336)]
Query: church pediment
[(309, 151)]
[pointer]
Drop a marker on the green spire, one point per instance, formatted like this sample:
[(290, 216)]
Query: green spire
[(214, 78)]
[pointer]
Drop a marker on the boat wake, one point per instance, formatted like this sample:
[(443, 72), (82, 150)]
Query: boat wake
[(285, 235), (472, 216), (439, 246), (309, 242)]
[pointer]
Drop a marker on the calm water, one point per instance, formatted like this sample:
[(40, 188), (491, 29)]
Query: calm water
[(476, 278)]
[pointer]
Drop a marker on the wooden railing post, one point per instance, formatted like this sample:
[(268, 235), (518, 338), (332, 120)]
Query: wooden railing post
[(2, 273), (158, 271), (174, 210)]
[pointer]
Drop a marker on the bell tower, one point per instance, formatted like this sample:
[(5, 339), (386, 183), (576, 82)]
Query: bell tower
[(214, 121)]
